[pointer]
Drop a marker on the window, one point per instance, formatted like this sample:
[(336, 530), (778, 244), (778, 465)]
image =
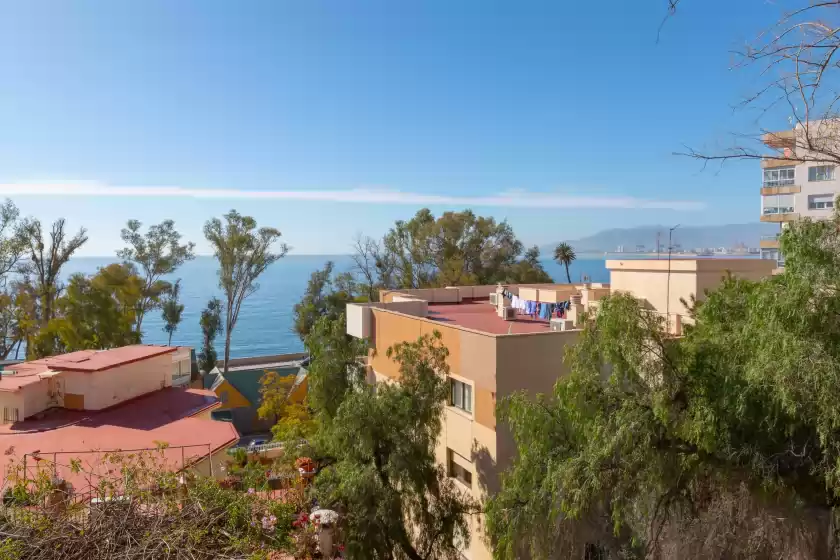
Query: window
[(821, 173), (779, 177), (458, 469), (460, 395), (777, 204), (820, 201)]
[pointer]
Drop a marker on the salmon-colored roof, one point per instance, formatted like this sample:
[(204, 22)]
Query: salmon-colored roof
[(87, 361), (481, 316), (162, 417)]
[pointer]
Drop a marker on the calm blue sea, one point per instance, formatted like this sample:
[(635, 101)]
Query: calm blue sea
[(265, 321)]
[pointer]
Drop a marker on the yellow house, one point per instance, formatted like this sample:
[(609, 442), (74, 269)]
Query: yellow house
[(239, 391)]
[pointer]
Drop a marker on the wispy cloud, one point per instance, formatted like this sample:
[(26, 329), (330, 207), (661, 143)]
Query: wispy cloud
[(517, 199)]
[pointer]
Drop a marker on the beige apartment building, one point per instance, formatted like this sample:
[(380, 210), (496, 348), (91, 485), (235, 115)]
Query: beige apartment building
[(793, 188), (494, 352)]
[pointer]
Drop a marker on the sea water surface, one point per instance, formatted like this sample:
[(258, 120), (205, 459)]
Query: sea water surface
[(266, 319)]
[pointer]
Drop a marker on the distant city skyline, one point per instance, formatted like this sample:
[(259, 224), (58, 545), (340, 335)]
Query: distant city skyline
[(326, 120)]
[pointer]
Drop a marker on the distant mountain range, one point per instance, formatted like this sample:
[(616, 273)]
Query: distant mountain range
[(688, 237)]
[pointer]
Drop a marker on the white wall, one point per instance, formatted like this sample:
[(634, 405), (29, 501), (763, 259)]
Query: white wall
[(11, 401), (35, 397), (103, 389)]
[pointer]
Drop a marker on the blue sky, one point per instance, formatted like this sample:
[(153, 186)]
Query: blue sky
[(325, 119)]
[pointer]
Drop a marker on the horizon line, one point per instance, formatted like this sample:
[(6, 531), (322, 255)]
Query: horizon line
[(510, 198)]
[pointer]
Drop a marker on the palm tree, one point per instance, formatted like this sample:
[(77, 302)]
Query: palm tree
[(564, 254)]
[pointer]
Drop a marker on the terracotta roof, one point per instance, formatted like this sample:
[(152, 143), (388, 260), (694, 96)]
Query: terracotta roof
[(98, 360), (481, 316), (87, 361), (165, 416)]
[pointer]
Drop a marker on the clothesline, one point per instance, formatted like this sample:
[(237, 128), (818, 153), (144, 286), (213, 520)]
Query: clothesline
[(535, 308)]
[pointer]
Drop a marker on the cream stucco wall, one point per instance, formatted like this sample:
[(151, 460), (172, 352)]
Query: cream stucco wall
[(103, 389), (35, 397), (219, 460), (11, 401), (648, 279)]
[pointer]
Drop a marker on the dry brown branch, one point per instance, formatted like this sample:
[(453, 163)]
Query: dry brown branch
[(141, 511), (798, 57)]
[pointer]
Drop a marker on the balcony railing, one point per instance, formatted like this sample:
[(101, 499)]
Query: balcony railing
[(770, 237), (779, 182), (256, 448), (777, 210)]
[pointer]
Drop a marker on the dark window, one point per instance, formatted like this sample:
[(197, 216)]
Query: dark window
[(460, 395), (457, 471)]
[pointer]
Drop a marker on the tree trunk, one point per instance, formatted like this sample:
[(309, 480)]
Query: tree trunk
[(170, 339), (227, 349), (568, 276)]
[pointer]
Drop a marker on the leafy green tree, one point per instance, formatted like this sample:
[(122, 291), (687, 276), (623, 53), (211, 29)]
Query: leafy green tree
[(157, 253), (565, 255), (12, 248), (336, 368), (171, 310), (244, 253), (326, 296), (399, 503), (44, 262), (12, 243), (95, 312), (291, 417), (455, 249), (528, 270), (722, 443), (211, 324)]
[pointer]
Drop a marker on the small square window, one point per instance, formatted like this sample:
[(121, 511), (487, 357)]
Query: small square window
[(821, 173), (460, 395)]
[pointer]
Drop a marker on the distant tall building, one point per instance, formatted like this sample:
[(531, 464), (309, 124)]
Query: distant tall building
[(793, 188)]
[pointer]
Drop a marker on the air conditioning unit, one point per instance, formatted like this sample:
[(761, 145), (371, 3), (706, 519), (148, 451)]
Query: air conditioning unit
[(494, 299), (509, 314), (561, 325)]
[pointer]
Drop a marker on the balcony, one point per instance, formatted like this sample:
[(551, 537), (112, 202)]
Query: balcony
[(779, 215), (774, 162), (780, 140), (769, 241), (770, 188)]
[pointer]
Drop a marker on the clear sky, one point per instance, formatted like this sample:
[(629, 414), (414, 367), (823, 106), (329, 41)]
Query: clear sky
[(329, 118)]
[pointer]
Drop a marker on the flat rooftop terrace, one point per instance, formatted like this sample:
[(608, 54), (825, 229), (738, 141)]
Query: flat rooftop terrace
[(479, 315)]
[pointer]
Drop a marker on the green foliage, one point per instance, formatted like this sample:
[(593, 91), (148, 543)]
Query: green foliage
[(211, 323), (337, 366), (244, 253), (565, 255), (95, 312), (158, 253), (384, 475), (291, 417), (455, 249), (726, 439), (44, 263), (171, 310), (326, 295)]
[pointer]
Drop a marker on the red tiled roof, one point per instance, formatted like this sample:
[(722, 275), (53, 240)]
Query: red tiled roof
[(165, 416), (481, 316), (87, 361), (98, 360)]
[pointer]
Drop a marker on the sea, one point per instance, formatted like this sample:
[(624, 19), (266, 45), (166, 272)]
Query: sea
[(266, 318)]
